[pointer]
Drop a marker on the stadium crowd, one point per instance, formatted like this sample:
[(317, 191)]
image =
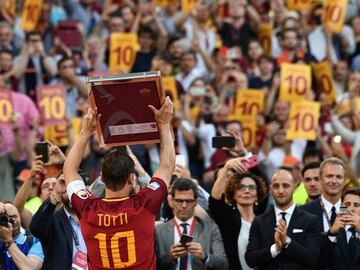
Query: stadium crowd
[(280, 77)]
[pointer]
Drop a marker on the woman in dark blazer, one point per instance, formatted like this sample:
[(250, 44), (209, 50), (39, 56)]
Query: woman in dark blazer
[(235, 195)]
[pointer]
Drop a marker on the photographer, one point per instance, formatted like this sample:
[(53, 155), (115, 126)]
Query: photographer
[(17, 250)]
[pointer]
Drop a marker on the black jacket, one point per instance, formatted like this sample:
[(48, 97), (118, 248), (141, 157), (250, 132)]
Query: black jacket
[(303, 251), (55, 234)]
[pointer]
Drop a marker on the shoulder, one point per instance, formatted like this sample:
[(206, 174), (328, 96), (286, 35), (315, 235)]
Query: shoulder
[(311, 205), (164, 226)]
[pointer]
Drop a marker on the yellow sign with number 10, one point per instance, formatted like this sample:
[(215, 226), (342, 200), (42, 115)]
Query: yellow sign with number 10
[(334, 14), (304, 120), (295, 81), (31, 14), (122, 51), (6, 107)]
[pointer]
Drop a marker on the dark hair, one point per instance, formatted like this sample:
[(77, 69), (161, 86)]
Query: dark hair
[(191, 52), (312, 152), (116, 169), (183, 184), (147, 30), (63, 59), (33, 33), (350, 191), (6, 51), (283, 32), (310, 166), (265, 57), (235, 181)]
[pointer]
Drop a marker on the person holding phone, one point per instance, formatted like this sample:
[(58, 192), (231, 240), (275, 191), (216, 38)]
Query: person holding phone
[(343, 243), (188, 241), (233, 201)]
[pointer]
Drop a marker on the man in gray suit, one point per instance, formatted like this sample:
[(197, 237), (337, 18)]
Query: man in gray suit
[(204, 251)]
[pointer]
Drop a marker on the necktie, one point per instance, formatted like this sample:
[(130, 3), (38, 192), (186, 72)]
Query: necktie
[(283, 214), (184, 259), (333, 215), (352, 245)]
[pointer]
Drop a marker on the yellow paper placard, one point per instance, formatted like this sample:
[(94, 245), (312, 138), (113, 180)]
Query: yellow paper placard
[(304, 119), (122, 51), (164, 3), (59, 134), (265, 36), (301, 4), (334, 14), (344, 106), (249, 128), (248, 102), (30, 14), (6, 107), (323, 75), (10, 6), (169, 86), (295, 81), (187, 5)]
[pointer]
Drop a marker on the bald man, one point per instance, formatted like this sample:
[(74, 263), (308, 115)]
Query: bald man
[(284, 237)]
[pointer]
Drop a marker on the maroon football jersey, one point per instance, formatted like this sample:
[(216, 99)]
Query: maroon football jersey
[(119, 233)]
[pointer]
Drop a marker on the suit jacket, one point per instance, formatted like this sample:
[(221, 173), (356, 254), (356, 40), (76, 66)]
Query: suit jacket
[(206, 233), (314, 207), (337, 253), (55, 234), (302, 252)]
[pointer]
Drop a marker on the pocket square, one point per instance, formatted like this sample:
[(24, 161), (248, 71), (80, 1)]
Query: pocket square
[(297, 230)]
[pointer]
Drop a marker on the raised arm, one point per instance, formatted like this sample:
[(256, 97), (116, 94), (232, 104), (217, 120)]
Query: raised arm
[(73, 160), (167, 149)]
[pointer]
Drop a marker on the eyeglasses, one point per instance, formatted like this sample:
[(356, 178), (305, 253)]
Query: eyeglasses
[(250, 187), (181, 202)]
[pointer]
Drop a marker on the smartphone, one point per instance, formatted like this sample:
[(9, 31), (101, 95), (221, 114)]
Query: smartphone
[(180, 160), (42, 149), (344, 210), (231, 54), (223, 141), (251, 162), (185, 238), (197, 91)]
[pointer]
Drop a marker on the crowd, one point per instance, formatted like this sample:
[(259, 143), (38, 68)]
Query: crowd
[(228, 68)]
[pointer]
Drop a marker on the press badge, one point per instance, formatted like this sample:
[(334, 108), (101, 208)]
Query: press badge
[(80, 261)]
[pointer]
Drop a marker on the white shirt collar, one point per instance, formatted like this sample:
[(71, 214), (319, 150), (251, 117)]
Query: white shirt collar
[(188, 222), (328, 205), (288, 211)]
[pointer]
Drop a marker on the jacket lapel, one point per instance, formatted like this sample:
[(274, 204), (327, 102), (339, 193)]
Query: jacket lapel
[(293, 220), (67, 228)]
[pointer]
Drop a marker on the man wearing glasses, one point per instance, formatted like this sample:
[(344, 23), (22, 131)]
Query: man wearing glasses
[(188, 242)]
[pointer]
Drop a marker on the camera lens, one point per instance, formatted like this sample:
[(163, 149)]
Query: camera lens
[(4, 220)]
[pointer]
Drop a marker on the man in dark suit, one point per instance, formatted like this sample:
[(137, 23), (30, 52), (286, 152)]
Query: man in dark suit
[(58, 230), (332, 178), (342, 248), (285, 237), (205, 251)]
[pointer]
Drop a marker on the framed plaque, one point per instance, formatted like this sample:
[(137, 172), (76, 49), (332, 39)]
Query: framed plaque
[(122, 100)]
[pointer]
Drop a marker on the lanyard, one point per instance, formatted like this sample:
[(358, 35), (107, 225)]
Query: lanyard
[(191, 228), (325, 213), (75, 237)]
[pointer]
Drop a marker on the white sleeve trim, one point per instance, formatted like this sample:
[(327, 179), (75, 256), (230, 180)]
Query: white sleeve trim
[(74, 187), (273, 251)]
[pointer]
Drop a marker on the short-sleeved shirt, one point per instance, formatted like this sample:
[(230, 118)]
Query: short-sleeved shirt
[(22, 243), (119, 233)]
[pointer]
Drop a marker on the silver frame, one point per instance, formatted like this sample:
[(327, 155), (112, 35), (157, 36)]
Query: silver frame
[(120, 77)]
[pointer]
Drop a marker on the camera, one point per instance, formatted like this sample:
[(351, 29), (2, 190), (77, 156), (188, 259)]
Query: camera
[(4, 219)]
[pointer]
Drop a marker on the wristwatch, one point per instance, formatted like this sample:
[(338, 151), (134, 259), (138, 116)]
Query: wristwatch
[(7, 244)]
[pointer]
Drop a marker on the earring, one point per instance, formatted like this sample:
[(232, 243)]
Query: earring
[(256, 203)]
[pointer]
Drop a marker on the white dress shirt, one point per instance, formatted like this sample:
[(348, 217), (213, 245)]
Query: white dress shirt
[(177, 237), (328, 206), (278, 216)]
